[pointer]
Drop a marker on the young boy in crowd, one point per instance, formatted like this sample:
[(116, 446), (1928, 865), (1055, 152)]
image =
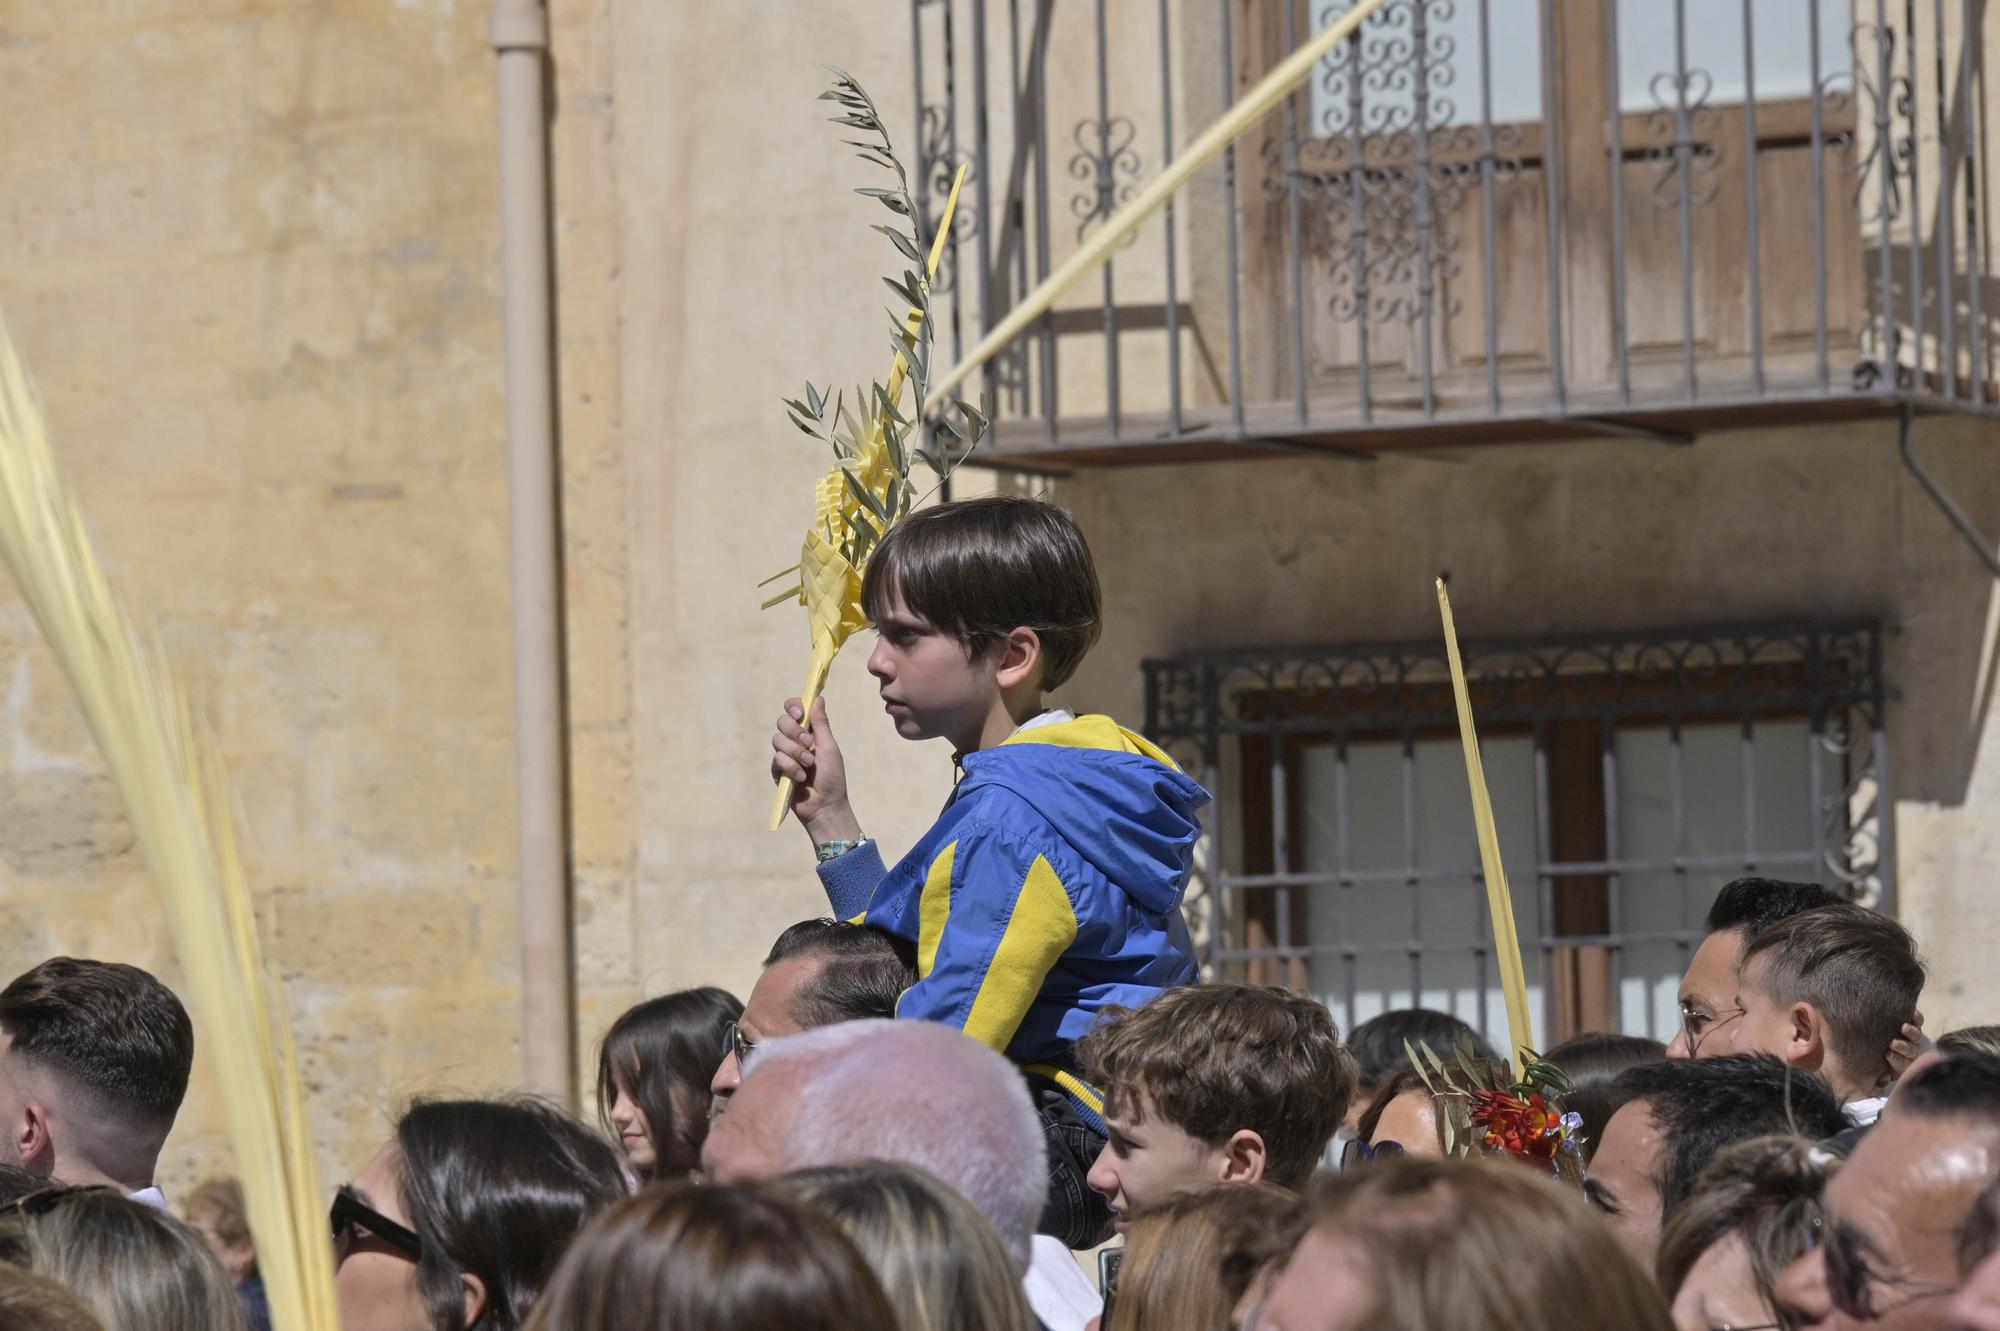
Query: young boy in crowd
[(1829, 990), (1050, 887), (1214, 1083)]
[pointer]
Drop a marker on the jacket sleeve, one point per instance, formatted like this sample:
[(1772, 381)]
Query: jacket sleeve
[(850, 880), (994, 919)]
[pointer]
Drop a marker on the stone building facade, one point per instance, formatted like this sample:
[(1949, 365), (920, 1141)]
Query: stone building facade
[(250, 249)]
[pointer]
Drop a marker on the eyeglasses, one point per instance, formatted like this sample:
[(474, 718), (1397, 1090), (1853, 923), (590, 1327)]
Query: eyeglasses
[(734, 1041), (1697, 1025), (1359, 1152), (1850, 1284), (351, 1213)]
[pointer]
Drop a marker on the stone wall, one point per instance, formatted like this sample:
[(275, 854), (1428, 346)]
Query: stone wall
[(250, 247), (250, 251)]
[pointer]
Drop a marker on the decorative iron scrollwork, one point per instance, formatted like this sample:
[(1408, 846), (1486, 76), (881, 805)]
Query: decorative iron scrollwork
[(1107, 160), (938, 161)]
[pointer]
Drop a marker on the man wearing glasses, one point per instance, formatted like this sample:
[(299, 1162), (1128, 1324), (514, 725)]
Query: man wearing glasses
[(818, 973), (1742, 910), (1891, 1256)]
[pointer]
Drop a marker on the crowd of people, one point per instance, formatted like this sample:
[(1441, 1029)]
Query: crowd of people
[(991, 1092)]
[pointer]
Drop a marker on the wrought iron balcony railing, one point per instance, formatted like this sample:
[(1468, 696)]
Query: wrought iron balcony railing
[(1482, 220)]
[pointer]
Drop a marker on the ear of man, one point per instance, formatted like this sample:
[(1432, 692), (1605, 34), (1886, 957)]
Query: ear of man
[(34, 1139), (1243, 1157)]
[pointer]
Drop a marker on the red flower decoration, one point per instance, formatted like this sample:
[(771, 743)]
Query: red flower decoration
[(1526, 1129)]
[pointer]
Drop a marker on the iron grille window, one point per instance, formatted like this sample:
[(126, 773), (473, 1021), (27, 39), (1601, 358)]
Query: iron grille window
[(1632, 776)]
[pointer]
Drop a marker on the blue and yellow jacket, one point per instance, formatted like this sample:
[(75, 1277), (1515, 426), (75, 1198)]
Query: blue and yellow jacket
[(1048, 890)]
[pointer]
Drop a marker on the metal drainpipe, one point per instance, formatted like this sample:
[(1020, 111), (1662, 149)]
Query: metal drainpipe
[(520, 36)]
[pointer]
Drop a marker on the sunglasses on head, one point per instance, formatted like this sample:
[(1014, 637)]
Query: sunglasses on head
[(44, 1200), (351, 1213)]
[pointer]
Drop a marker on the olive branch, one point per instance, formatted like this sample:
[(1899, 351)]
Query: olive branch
[(955, 431)]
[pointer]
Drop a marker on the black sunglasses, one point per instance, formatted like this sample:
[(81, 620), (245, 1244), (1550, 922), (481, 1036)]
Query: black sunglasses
[(1358, 1152), (734, 1041), (351, 1213)]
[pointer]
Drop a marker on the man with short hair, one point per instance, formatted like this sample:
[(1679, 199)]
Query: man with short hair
[(819, 972), (94, 1062), (1214, 1083), (1673, 1117), (1891, 1255), (1827, 990), (1741, 911), (917, 1093)]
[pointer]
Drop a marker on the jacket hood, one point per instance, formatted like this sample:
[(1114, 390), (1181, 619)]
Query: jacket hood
[(1111, 794)]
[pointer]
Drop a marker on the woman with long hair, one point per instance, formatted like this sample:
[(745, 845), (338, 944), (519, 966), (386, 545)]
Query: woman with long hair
[(32, 1303), (1190, 1261), (1414, 1245), (134, 1266), (682, 1258), (460, 1219), (942, 1264), (653, 1071)]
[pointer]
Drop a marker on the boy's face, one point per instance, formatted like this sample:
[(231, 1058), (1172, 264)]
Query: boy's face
[(1768, 1026), (1147, 1160), (930, 686)]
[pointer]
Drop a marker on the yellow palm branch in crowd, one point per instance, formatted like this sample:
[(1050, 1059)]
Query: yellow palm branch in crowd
[(173, 791), (868, 489), (1499, 900)]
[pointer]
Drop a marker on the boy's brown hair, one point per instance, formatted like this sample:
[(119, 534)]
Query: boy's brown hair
[(1858, 967), (981, 568), (1213, 1059)]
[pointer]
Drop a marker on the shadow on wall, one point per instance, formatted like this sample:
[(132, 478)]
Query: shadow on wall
[(1810, 523)]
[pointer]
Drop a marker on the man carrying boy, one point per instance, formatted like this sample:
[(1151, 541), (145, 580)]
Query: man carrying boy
[(1215, 1083), (1050, 887)]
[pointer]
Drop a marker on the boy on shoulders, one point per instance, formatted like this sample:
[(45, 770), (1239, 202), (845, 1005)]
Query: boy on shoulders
[(1049, 889)]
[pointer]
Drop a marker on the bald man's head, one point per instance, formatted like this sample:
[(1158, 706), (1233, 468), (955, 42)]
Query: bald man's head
[(907, 1091)]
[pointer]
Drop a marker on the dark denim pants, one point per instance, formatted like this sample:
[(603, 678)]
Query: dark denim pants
[(1073, 1213)]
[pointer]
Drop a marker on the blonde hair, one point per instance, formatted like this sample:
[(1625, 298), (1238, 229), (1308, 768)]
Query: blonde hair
[(1188, 1261), (137, 1268), (32, 1303), (223, 1199), (943, 1264), (1483, 1242)]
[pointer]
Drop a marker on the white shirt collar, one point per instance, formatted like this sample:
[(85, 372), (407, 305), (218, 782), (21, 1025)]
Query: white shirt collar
[(1055, 716), (152, 1197), (1863, 1113)]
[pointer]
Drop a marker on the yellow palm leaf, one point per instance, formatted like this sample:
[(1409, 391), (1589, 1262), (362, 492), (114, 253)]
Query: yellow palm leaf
[(829, 582), (173, 792)]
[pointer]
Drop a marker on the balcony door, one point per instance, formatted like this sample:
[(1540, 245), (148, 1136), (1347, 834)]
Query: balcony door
[(1408, 203)]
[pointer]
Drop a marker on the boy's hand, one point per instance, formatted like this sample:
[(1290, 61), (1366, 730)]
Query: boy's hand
[(1909, 1043), (811, 758)]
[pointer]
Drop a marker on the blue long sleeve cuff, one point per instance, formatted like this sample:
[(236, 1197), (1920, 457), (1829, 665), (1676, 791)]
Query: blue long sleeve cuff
[(850, 880)]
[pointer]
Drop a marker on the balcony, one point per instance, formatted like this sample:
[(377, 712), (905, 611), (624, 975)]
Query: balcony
[(1481, 221)]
